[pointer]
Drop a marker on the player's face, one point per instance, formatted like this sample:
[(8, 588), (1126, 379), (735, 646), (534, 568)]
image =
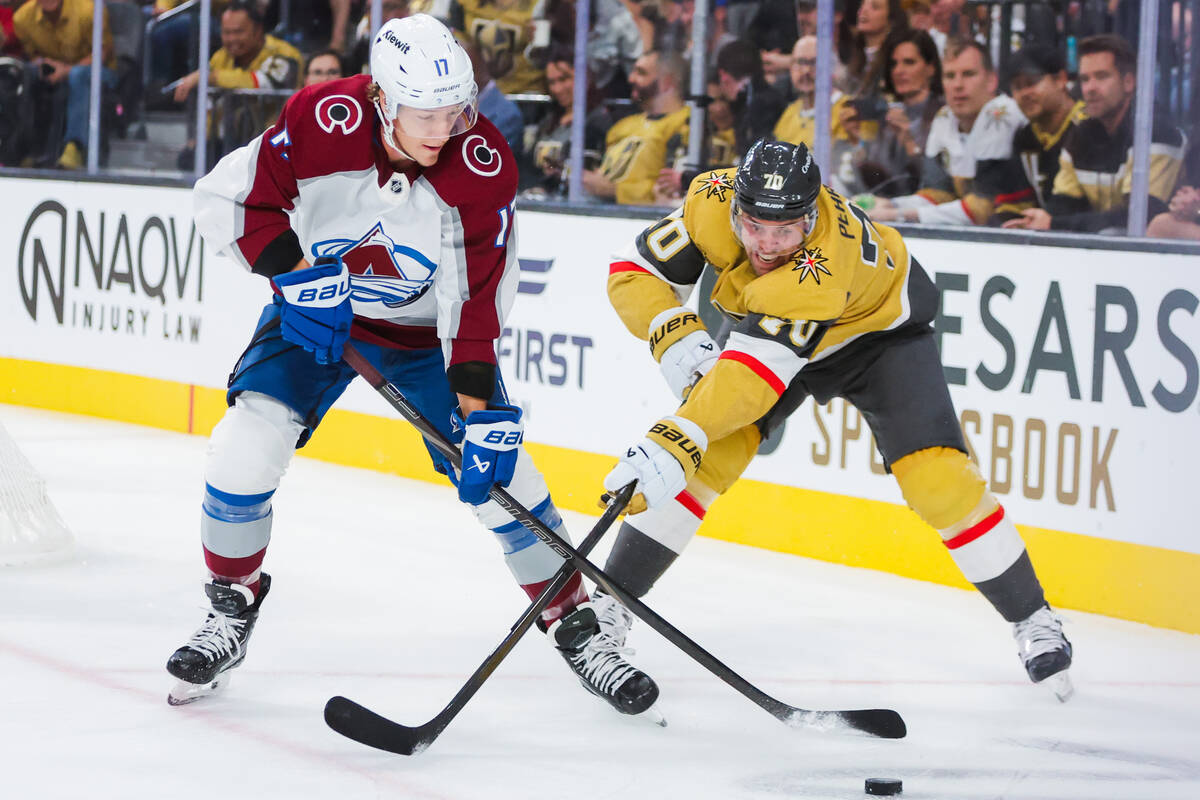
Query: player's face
[(1038, 95), (768, 244), (911, 73), (968, 85), (423, 132), (1105, 90)]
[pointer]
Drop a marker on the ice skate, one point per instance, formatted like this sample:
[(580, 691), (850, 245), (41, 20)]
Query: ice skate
[(594, 649), (1045, 651), (220, 643)]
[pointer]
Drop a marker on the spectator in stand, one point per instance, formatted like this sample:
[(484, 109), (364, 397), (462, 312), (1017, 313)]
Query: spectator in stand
[(56, 36), (1091, 190), (249, 58), (325, 65), (493, 104), (504, 30), (968, 150), (891, 162), (638, 146), (357, 57), (552, 140), (171, 45), (673, 29), (1039, 85), (947, 20), (797, 124), (774, 31), (615, 40), (919, 15), (756, 106), (1181, 220), (718, 150), (876, 21)]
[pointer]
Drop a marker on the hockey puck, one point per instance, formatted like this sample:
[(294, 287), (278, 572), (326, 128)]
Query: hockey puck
[(884, 786)]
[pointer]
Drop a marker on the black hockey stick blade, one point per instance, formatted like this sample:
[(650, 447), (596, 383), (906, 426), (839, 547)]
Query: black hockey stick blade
[(363, 725), (881, 722), (875, 722)]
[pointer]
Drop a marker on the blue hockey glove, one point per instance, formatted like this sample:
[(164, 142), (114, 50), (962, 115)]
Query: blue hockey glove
[(315, 311), (489, 450)]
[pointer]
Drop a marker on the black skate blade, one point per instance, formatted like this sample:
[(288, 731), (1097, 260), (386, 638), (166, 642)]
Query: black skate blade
[(881, 722), (366, 727)]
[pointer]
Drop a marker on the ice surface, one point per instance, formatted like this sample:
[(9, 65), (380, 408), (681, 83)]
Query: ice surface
[(387, 591)]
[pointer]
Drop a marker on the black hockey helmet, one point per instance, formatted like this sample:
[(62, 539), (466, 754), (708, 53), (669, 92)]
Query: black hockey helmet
[(777, 181)]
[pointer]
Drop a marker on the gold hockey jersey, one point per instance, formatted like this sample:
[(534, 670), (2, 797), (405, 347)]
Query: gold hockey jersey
[(502, 31), (851, 280), (636, 148)]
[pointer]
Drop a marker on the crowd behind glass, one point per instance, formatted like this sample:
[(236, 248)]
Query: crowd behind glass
[(947, 112)]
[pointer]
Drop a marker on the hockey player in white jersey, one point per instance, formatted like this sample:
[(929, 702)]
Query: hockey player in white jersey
[(381, 209)]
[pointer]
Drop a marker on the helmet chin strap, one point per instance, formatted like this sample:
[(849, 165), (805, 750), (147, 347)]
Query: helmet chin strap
[(389, 132)]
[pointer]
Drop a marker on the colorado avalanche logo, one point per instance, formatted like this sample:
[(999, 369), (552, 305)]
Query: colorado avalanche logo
[(339, 111), (482, 160), (381, 271)]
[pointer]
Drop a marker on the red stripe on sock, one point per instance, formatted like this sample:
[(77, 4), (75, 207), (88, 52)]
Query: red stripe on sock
[(235, 570), (757, 367), (975, 531), (625, 266), (689, 502), (564, 602)]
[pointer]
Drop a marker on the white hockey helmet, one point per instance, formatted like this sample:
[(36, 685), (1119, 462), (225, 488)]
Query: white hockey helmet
[(428, 84)]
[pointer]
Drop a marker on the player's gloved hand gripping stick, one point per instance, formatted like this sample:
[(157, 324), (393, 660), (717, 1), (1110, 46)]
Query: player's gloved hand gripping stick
[(356, 722), (315, 310)]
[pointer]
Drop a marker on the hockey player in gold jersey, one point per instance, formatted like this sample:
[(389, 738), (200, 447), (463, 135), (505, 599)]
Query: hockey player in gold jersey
[(824, 303)]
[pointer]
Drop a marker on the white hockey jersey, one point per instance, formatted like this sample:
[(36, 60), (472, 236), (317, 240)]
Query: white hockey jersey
[(431, 252), (961, 159)]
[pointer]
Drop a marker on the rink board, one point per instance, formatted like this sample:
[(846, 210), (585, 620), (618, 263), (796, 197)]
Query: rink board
[(1074, 372)]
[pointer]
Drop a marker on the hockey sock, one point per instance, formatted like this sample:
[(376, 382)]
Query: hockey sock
[(637, 561), (1015, 593), (567, 600), (235, 530)]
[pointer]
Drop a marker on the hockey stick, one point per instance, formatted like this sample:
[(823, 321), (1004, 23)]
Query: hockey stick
[(363, 725), (880, 722)]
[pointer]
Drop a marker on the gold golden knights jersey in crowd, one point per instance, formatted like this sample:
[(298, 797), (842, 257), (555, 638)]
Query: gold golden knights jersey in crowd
[(502, 32), (277, 66), (636, 148), (850, 281)]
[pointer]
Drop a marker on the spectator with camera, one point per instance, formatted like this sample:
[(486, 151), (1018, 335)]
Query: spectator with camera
[(1038, 80), (56, 36), (551, 149), (1091, 189), (969, 148), (638, 146), (890, 160)]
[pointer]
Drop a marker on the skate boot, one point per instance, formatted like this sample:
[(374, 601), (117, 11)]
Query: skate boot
[(220, 643), (1045, 651), (597, 656)]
